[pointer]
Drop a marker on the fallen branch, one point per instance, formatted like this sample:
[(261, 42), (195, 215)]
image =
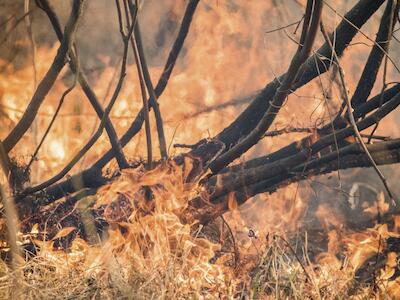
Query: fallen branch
[(352, 156), (233, 181)]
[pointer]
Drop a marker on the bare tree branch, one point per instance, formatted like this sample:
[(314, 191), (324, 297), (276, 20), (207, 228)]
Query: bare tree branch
[(74, 63), (98, 132), (34, 155), (47, 82), (370, 72), (310, 28), (229, 182), (92, 177), (352, 119), (150, 89), (344, 33)]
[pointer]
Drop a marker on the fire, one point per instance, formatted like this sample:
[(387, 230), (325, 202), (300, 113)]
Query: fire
[(293, 239), (56, 149)]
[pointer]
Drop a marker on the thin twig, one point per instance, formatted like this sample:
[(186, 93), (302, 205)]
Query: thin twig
[(15, 25), (284, 27), (145, 102), (150, 89), (236, 254), (353, 121), (375, 137), (34, 155), (28, 25), (288, 129), (331, 119), (187, 146), (31, 41)]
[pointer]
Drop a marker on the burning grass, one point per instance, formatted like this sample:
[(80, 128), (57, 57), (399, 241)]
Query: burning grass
[(146, 251), (129, 240)]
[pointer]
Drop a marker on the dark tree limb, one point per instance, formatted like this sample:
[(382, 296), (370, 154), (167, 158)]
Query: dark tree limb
[(47, 82), (352, 119), (378, 51), (230, 182), (352, 156), (309, 32), (152, 95), (344, 33)]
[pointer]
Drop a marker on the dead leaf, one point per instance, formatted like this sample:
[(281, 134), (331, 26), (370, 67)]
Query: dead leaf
[(63, 232), (232, 203)]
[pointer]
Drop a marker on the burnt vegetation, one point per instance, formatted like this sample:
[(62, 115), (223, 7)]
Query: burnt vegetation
[(214, 167)]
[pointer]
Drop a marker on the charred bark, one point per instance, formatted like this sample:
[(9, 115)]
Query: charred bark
[(313, 155)]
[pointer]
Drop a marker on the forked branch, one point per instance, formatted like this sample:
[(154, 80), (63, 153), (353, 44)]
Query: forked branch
[(344, 33), (74, 66), (99, 130)]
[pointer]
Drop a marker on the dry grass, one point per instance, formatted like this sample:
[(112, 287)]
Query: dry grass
[(155, 255), (113, 271)]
